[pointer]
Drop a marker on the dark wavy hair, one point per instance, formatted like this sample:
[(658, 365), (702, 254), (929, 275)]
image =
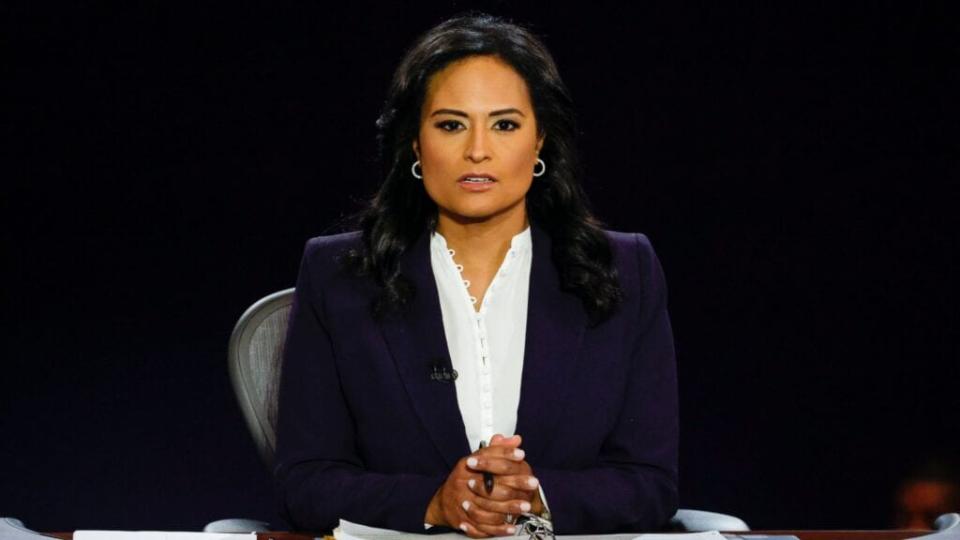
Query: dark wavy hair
[(401, 210)]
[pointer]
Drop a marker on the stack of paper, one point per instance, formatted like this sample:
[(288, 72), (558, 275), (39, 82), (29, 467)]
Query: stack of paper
[(355, 531)]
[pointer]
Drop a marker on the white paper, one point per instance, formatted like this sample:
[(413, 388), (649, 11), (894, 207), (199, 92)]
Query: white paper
[(160, 535), (708, 535), (354, 531)]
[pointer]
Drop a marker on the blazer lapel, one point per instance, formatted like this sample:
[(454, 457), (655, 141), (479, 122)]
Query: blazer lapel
[(555, 325), (418, 343)]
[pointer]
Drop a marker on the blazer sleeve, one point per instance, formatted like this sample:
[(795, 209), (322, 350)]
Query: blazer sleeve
[(633, 487), (318, 475)]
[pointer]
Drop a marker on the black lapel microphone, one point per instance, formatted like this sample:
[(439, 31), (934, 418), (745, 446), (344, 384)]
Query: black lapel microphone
[(441, 372)]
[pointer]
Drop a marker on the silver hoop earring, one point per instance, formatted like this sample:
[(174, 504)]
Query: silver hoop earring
[(413, 169), (543, 170)]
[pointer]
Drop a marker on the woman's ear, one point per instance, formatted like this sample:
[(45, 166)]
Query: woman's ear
[(540, 142), (416, 149)]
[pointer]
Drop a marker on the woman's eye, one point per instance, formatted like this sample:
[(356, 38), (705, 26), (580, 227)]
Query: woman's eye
[(453, 125), (448, 125)]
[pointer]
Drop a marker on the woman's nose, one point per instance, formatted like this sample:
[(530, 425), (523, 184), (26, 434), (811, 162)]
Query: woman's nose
[(477, 146)]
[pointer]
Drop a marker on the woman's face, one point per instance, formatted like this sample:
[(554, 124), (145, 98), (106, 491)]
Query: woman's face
[(477, 120)]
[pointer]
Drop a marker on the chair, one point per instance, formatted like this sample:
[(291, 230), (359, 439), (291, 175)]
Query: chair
[(14, 529), (700, 520), (947, 527), (255, 353)]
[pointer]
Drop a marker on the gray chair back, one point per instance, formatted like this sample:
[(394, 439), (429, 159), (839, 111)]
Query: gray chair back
[(947, 523), (700, 521), (255, 355), (256, 352)]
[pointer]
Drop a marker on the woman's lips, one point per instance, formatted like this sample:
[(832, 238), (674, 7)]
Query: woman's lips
[(471, 182)]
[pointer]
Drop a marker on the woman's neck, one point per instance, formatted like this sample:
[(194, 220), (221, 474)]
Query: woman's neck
[(482, 243)]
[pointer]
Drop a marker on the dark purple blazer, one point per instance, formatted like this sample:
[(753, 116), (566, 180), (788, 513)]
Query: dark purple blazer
[(365, 434)]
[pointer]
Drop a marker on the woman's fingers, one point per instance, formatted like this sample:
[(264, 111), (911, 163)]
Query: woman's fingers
[(480, 523), (479, 516), (504, 529), (492, 523), (462, 501), (479, 530), (501, 451), (521, 482), (499, 462), (513, 507), (500, 440), (472, 531), (500, 491)]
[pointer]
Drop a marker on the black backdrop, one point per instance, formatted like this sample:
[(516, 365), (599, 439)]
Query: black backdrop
[(165, 163)]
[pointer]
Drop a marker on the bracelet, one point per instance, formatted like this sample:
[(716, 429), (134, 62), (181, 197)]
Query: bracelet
[(535, 527)]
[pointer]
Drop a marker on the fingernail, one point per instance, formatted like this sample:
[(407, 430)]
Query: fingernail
[(471, 462), (511, 530), (472, 483), (532, 482), (463, 527), (465, 505), (518, 453), (525, 506)]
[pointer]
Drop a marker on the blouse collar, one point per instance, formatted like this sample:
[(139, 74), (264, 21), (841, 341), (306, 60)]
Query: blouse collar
[(520, 241)]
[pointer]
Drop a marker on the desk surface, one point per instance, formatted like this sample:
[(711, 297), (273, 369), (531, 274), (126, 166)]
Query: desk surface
[(900, 534)]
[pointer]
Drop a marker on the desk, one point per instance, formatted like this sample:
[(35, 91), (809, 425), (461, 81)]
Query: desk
[(802, 535)]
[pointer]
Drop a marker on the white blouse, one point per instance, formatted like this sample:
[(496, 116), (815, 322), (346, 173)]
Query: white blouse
[(486, 345)]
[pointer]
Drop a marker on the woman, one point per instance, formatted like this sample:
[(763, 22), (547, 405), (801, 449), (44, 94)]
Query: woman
[(479, 304)]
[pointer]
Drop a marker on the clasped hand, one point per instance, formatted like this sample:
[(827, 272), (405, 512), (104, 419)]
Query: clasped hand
[(463, 502)]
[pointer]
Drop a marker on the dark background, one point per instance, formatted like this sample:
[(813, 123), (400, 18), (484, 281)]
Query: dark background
[(166, 161)]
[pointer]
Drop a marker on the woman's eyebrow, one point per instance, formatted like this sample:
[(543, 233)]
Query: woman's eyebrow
[(455, 112)]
